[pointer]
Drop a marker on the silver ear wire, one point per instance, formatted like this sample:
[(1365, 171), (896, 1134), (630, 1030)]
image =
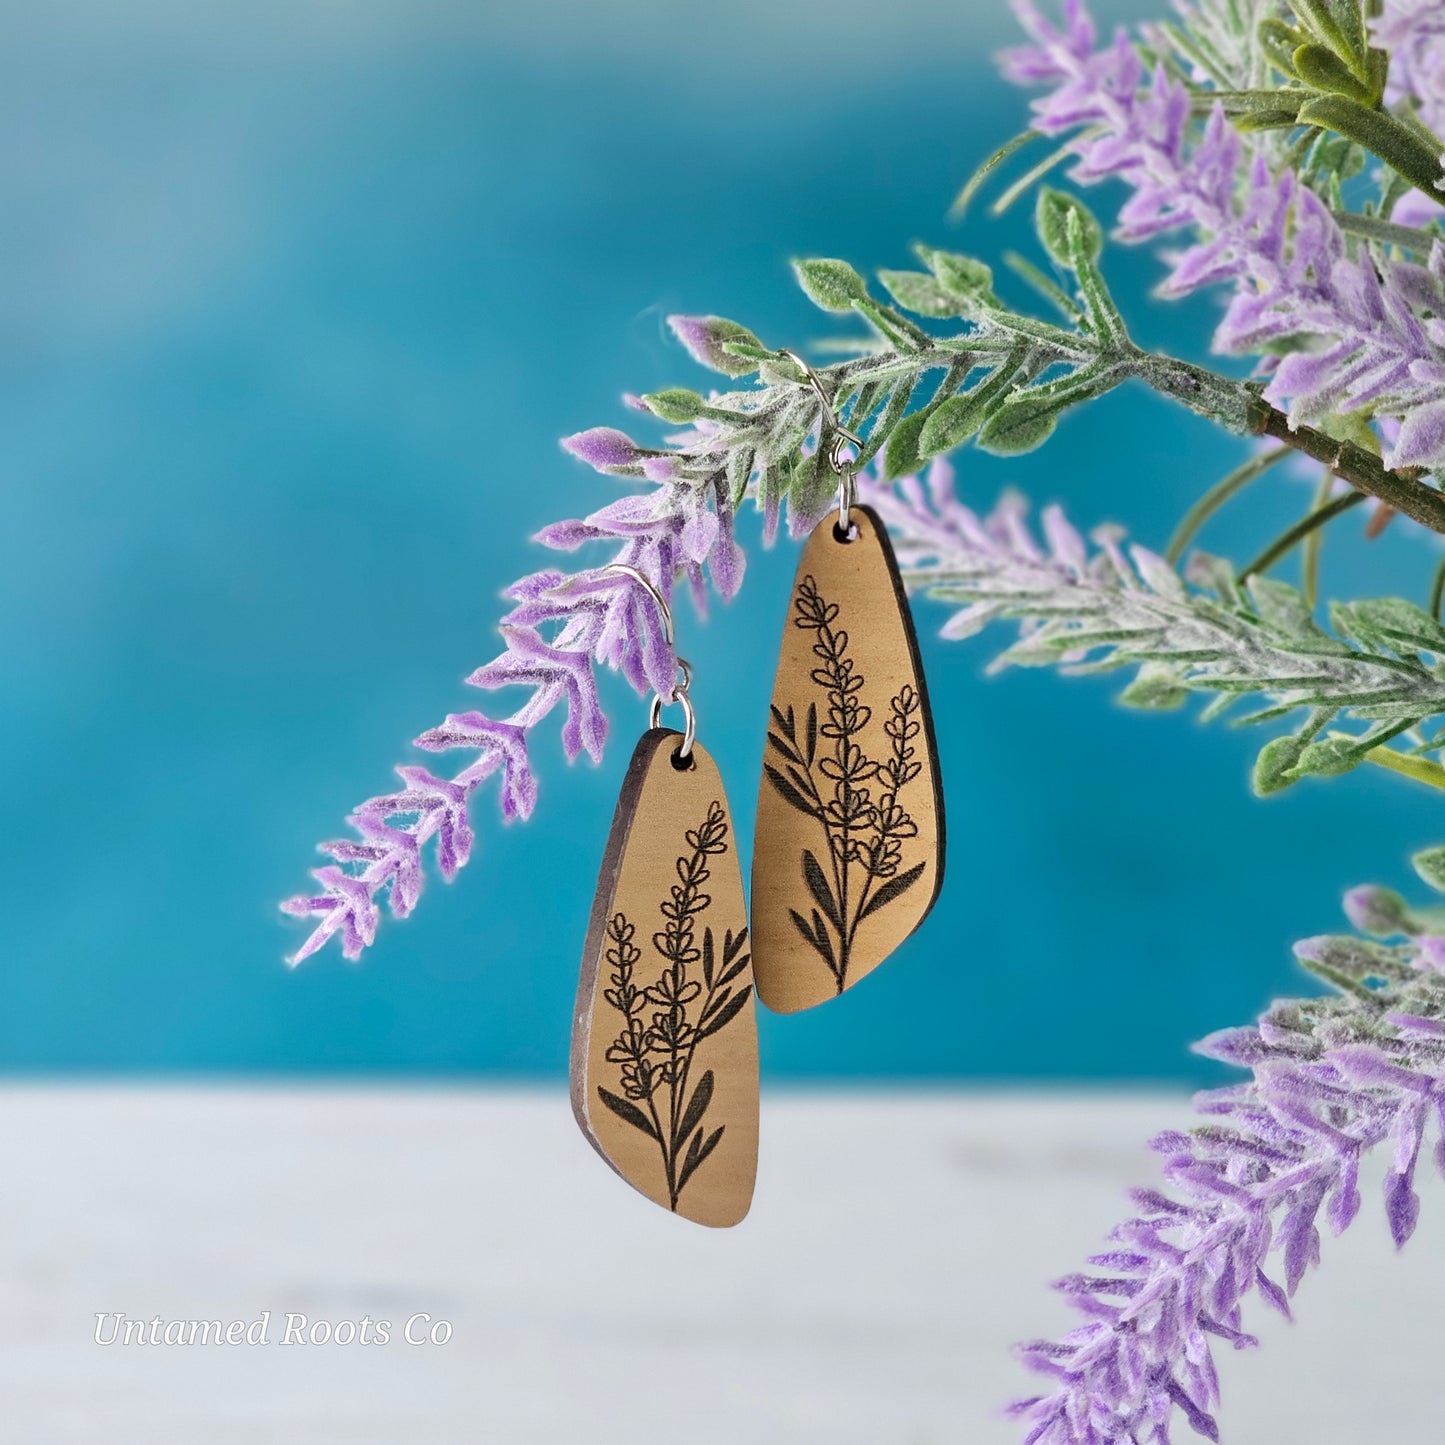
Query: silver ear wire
[(839, 438), (684, 682)]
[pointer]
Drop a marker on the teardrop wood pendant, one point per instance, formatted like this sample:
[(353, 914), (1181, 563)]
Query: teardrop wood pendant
[(848, 855), (665, 1040)]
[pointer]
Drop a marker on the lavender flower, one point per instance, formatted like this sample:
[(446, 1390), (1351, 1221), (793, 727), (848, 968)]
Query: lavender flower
[(1413, 31), (1371, 341), (1248, 1190), (561, 628)]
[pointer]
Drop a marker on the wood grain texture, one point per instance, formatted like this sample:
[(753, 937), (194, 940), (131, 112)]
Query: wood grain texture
[(848, 854), (665, 1039)]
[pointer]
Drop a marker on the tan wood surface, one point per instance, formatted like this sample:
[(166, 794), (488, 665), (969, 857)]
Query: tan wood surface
[(665, 1041), (848, 854)]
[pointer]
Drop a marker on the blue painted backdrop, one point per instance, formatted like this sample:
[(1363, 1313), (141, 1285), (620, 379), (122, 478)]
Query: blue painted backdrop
[(295, 301)]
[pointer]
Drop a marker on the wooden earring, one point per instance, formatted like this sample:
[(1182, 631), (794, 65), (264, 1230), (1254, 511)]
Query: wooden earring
[(665, 1040), (849, 848)]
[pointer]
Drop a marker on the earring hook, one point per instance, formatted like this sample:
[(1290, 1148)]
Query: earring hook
[(680, 687), (841, 438)]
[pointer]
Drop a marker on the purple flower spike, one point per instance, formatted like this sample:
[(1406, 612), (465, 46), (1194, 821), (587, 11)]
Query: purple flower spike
[(1247, 1191), (348, 906), (1372, 343), (1413, 31), (496, 742), (705, 338), (532, 662), (1380, 911), (560, 630), (603, 447)]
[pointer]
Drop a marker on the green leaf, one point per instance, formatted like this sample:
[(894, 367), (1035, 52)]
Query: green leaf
[(812, 485), (748, 351), (1271, 118), (1324, 70), (1340, 981), (1281, 606), (1279, 41), (1239, 105), (962, 277), (719, 343), (1022, 424), (1156, 686), (1390, 622), (1051, 291), (833, 285), (1394, 142), (1331, 758), (920, 293), (1381, 912), (950, 423), (895, 327), (904, 456), (1350, 957), (899, 397), (1334, 23), (740, 472), (1430, 865), (1068, 229), (1274, 769), (677, 404)]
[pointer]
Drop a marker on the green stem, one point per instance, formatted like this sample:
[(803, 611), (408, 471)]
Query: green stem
[(1401, 146), (1301, 529), (1216, 497), (1403, 490), (1237, 407), (1421, 770), (1314, 544), (1008, 148), (1387, 233)]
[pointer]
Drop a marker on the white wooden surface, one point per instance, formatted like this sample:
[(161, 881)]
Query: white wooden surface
[(897, 1246)]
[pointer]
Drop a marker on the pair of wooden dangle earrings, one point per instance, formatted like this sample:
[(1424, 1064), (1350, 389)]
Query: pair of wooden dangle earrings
[(847, 862)]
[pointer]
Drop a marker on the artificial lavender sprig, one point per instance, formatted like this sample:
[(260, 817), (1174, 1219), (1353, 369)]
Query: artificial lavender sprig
[(1332, 1078), (1359, 324), (1088, 609), (561, 628)]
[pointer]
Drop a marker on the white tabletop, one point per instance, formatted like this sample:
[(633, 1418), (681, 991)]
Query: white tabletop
[(898, 1244)]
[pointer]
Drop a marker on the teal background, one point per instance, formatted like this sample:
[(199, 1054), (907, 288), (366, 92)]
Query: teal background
[(295, 302)]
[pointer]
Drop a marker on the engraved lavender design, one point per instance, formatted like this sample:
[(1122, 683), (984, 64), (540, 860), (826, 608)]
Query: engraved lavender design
[(656, 1053), (825, 774)]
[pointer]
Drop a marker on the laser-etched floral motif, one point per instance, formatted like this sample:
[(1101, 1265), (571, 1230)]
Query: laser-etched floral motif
[(825, 773), (665, 1022)]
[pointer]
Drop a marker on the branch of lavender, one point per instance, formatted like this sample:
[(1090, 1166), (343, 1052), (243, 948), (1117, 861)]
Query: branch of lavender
[(754, 442), (1345, 327), (1089, 610), (1332, 1078)]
